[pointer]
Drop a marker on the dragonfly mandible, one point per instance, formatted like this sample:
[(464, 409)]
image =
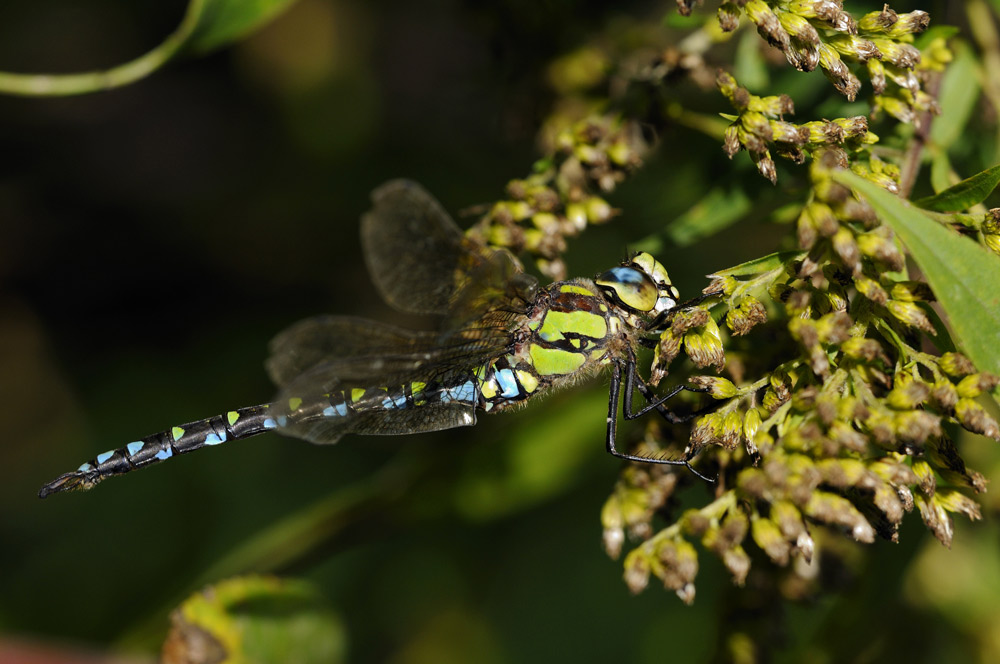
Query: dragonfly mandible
[(502, 339)]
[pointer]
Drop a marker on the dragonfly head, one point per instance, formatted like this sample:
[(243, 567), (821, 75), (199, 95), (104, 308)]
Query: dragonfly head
[(640, 285)]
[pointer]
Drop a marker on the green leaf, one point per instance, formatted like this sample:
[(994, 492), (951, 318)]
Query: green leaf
[(963, 275), (749, 67), (207, 24), (942, 174), (256, 619), (965, 194), (719, 209), (960, 89), (221, 22), (760, 265)]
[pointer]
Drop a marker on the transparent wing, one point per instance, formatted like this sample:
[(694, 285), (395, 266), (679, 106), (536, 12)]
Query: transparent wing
[(447, 399), (419, 259), (362, 349)]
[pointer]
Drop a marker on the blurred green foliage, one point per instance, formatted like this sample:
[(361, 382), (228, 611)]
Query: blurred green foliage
[(157, 235)]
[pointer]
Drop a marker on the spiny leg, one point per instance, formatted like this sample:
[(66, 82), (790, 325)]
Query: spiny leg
[(615, 388), (633, 380)]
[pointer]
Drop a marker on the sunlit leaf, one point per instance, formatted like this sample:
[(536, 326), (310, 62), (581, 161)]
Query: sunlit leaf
[(959, 91), (759, 265), (719, 209), (749, 67), (221, 22), (963, 275), (255, 619), (965, 194), (942, 174)]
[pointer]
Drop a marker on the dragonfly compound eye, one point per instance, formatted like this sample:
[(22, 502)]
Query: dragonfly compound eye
[(629, 287)]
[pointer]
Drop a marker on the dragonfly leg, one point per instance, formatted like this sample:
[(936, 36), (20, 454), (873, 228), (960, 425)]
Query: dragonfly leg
[(633, 380), (614, 391)]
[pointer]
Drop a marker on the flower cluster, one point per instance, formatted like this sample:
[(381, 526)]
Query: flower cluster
[(560, 199), (846, 432), (760, 127), (819, 33)]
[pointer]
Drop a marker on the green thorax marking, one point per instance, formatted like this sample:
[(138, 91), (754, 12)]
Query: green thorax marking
[(570, 330), (555, 361)]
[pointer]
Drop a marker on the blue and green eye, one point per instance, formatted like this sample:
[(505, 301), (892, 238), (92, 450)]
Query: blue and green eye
[(630, 287)]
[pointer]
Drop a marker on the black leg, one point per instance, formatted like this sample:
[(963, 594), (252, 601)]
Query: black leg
[(616, 382), (633, 380)]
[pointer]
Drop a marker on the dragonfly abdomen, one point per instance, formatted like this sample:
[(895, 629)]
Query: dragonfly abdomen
[(158, 447)]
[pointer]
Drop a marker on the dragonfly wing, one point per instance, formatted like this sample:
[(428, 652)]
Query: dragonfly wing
[(412, 247), (320, 406), (361, 348), (422, 263)]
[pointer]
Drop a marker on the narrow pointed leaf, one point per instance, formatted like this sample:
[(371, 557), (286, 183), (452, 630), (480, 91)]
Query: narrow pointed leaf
[(965, 277), (965, 194)]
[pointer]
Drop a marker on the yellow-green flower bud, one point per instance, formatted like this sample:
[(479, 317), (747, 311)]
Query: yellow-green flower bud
[(871, 290), (787, 132), (729, 16), (846, 247), (751, 424), (636, 571), (774, 106), (912, 291), (955, 501), (916, 426), (908, 393), (598, 210), (757, 124), (732, 429), (859, 348), (909, 24), (768, 537), (837, 72), (936, 518), (545, 221), (746, 315), (799, 28), (944, 393), (876, 73), (767, 23), (724, 285), (704, 346), (912, 315), (879, 22), (972, 417), (992, 242), (855, 48), (576, 214), (974, 385), (838, 511), (718, 388), (876, 246), (956, 364)]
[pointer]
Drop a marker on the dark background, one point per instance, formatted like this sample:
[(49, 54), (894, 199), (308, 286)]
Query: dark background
[(153, 239)]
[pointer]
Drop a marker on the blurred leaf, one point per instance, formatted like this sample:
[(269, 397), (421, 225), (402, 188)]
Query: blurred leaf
[(221, 22), (959, 92), (965, 194), (748, 66), (942, 174), (719, 209), (962, 274), (206, 25), (255, 619), (543, 459), (759, 265), (935, 32)]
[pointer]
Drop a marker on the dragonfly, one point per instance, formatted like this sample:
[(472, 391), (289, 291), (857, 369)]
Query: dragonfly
[(501, 340)]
